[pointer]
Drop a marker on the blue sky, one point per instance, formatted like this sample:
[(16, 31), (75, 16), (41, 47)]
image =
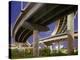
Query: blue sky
[(15, 10)]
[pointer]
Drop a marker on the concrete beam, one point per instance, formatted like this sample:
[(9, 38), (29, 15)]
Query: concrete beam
[(31, 26), (56, 38)]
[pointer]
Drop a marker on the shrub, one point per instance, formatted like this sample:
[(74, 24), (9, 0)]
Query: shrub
[(15, 53), (44, 52)]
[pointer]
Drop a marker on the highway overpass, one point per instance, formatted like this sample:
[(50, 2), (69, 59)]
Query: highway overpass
[(35, 17)]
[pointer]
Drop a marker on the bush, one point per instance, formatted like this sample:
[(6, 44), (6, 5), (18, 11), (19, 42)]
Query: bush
[(15, 54), (45, 52), (56, 53)]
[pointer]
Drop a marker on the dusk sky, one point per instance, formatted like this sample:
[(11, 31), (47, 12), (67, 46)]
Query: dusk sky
[(15, 10)]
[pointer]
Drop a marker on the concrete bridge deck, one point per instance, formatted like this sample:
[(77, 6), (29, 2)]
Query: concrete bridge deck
[(60, 37), (38, 13)]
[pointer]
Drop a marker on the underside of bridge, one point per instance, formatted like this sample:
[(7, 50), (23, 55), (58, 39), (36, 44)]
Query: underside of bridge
[(44, 15), (35, 18)]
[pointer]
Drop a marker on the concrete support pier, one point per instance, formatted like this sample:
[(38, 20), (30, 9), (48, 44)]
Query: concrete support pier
[(51, 48), (70, 32), (58, 46), (35, 43), (36, 29)]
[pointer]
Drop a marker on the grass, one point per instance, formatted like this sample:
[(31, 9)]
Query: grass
[(17, 54)]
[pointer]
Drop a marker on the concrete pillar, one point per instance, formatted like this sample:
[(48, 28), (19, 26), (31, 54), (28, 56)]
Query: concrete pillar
[(37, 28), (35, 43), (70, 32), (51, 49), (19, 45), (58, 46)]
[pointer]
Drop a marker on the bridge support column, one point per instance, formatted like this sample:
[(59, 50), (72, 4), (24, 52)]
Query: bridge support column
[(19, 45), (37, 28), (51, 49), (35, 43), (58, 46), (70, 32)]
